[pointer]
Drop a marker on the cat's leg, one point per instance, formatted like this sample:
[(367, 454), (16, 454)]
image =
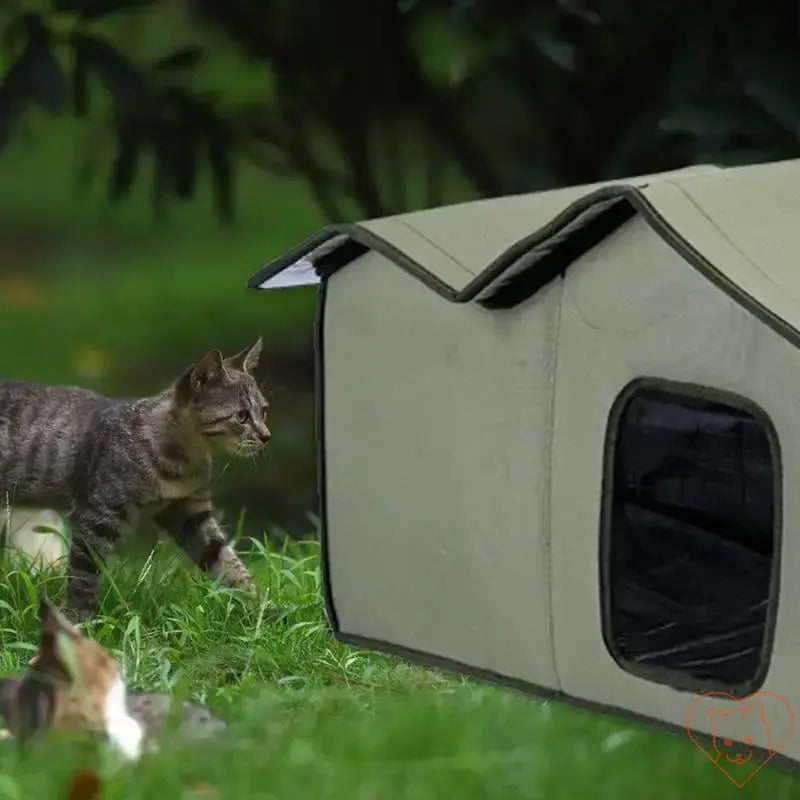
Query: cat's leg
[(192, 525), (93, 533)]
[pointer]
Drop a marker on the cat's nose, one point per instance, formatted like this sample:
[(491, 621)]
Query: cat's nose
[(264, 434)]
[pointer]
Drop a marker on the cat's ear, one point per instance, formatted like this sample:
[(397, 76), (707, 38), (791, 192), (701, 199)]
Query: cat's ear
[(247, 359), (56, 644), (207, 370), (52, 621), (52, 626)]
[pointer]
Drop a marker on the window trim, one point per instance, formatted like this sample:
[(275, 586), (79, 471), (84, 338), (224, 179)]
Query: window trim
[(659, 674)]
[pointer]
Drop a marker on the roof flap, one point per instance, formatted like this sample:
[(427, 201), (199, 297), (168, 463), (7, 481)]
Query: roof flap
[(453, 245), (740, 228), (737, 225)]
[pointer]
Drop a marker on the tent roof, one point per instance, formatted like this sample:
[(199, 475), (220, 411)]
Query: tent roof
[(739, 226)]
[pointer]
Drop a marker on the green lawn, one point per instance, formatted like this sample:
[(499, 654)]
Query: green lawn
[(312, 718)]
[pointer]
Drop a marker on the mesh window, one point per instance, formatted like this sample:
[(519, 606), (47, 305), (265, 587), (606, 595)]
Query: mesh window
[(689, 539)]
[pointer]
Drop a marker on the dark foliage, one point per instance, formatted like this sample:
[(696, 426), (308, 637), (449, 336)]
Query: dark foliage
[(151, 113), (515, 96)]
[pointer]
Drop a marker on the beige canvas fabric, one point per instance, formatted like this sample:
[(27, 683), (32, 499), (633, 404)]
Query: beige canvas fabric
[(463, 447), (741, 220), (670, 323), (457, 242), (437, 421), (447, 534), (744, 222)]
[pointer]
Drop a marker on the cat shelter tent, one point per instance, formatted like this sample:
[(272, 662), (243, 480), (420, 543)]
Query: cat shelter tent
[(558, 435)]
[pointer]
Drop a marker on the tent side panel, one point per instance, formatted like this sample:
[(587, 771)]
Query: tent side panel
[(436, 449), (631, 309)]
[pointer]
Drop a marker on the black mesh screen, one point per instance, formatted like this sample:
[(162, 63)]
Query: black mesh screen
[(691, 536)]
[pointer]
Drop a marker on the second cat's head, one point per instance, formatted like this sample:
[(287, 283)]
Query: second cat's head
[(223, 399), (74, 684)]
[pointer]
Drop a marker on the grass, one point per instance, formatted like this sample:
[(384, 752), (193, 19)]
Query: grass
[(310, 717)]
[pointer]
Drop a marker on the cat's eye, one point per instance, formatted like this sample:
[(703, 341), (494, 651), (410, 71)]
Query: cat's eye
[(241, 416), (264, 411)]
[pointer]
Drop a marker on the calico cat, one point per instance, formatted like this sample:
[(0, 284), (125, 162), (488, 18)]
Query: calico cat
[(73, 684), (105, 463)]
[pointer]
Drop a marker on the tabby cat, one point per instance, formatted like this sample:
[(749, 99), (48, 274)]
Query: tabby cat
[(73, 684), (105, 463)]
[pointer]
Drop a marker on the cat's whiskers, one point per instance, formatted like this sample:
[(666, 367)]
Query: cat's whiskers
[(250, 449), (224, 469), (266, 456)]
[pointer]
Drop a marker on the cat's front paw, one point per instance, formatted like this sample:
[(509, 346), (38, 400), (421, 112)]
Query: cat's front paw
[(233, 574), (242, 582), (77, 613)]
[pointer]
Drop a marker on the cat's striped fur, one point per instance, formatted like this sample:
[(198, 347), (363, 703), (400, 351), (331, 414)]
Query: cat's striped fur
[(105, 463)]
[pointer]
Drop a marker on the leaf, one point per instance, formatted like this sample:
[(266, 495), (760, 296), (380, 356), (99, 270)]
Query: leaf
[(578, 9), (185, 162), (16, 30), (131, 93), (221, 173), (46, 529), (123, 170), (772, 83), (466, 12), (49, 84), (35, 77), (181, 138), (553, 47), (688, 71), (641, 136), (183, 58), (175, 160), (722, 120), (162, 170), (80, 85), (444, 52)]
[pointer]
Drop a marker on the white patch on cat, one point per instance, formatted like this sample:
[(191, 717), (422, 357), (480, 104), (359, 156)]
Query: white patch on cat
[(123, 731)]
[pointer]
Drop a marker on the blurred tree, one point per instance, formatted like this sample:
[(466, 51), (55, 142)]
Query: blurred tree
[(378, 104), (54, 57)]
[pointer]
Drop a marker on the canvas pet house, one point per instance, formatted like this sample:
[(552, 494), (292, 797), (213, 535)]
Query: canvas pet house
[(559, 438)]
